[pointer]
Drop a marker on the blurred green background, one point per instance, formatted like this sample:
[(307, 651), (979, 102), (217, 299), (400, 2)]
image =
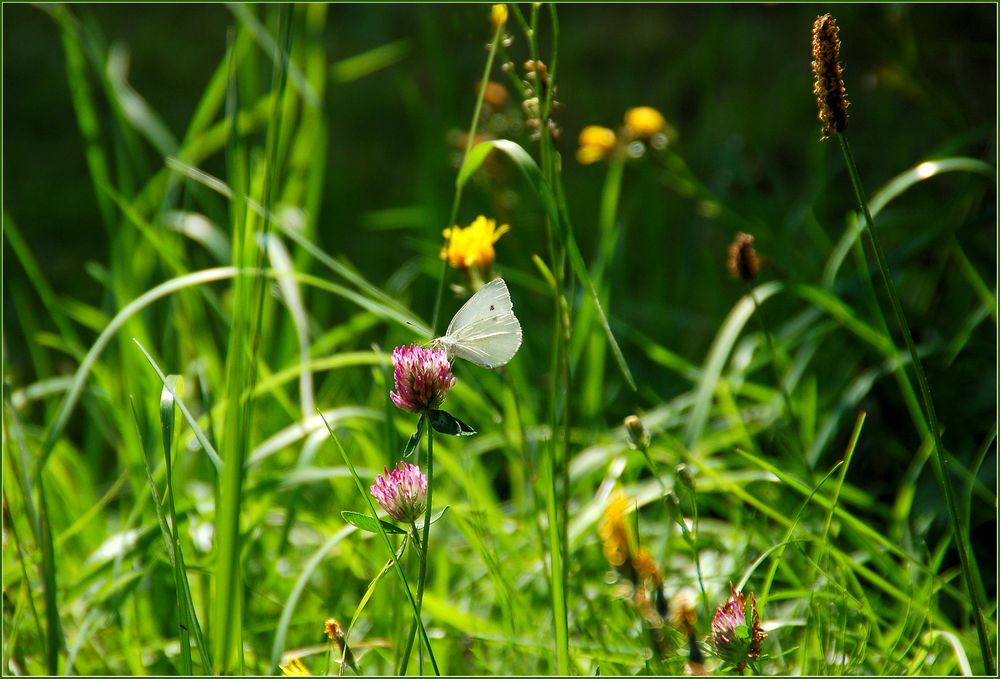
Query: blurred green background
[(734, 81)]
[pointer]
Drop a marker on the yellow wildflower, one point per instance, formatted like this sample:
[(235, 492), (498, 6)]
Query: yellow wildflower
[(614, 533), (644, 121), (498, 15), (295, 668), (596, 143), (333, 630), (472, 245)]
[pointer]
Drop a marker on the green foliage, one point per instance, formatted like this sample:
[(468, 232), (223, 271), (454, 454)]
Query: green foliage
[(241, 219)]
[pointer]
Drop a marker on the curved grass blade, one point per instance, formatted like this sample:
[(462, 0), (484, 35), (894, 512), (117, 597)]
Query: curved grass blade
[(281, 263), (892, 190), (368, 595), (722, 345), (288, 609), (187, 617), (377, 300), (198, 433), (131, 309)]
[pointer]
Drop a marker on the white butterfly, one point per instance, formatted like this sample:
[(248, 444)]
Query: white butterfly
[(485, 330)]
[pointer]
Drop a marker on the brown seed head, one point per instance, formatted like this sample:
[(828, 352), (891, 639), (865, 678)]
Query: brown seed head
[(828, 83), (743, 262)]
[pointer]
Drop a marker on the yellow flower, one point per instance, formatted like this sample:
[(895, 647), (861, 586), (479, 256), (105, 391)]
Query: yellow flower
[(596, 143), (498, 14), (614, 533), (644, 121), (472, 245), (294, 668)]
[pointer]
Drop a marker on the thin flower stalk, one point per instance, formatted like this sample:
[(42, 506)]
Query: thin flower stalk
[(556, 469), (831, 99), (422, 545), (456, 201)]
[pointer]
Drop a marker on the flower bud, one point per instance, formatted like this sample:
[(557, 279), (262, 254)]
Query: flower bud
[(638, 435), (685, 477), (498, 15), (644, 121), (743, 262)]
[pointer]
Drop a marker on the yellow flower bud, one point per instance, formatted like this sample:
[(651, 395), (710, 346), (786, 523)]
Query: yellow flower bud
[(498, 14), (596, 143), (644, 121)]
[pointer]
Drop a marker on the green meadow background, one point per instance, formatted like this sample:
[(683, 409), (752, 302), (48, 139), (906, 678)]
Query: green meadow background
[(818, 492)]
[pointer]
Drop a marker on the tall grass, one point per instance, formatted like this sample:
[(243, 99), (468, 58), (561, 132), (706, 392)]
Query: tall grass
[(249, 249)]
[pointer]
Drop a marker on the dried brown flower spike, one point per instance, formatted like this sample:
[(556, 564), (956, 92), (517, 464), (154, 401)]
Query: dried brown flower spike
[(828, 83), (743, 262)]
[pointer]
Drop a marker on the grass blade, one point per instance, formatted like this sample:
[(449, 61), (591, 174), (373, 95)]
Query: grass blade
[(165, 289), (718, 353)]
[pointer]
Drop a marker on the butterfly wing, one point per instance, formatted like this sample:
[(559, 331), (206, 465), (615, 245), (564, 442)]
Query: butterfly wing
[(490, 342), (492, 299), (485, 330)]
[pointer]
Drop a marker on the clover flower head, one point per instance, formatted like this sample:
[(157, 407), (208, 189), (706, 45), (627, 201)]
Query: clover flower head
[(472, 245), (423, 378), (402, 493), (736, 638)]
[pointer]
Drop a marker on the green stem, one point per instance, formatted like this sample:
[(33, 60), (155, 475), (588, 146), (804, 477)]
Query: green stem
[(940, 460), (691, 538), (470, 139), (772, 347), (595, 341), (422, 548), (558, 463), (382, 534)]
